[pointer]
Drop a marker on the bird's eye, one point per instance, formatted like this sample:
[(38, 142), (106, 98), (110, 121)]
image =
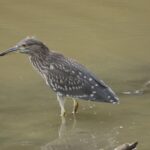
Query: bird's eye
[(24, 45)]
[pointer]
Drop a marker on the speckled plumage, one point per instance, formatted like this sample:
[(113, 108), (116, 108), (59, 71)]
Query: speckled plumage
[(69, 78), (64, 75)]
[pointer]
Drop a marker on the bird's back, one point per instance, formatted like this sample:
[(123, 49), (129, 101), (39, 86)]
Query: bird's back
[(69, 78)]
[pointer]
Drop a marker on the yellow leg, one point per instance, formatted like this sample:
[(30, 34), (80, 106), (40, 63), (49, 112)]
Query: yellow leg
[(75, 106)]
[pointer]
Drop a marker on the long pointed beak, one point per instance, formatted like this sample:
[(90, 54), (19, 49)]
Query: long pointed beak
[(13, 49)]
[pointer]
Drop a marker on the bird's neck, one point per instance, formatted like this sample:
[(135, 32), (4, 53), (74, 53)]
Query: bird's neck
[(39, 62)]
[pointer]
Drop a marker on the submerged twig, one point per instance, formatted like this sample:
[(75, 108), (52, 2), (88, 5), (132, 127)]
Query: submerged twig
[(127, 146), (139, 91)]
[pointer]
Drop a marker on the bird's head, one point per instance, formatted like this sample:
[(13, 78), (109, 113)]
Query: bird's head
[(30, 46)]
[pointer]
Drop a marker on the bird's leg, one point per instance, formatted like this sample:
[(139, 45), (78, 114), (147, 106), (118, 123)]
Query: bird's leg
[(61, 103), (75, 106), (62, 129)]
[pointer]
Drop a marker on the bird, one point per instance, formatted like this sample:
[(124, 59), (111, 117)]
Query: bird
[(64, 75)]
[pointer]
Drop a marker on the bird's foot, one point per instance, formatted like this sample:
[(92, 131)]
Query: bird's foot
[(74, 112), (63, 114)]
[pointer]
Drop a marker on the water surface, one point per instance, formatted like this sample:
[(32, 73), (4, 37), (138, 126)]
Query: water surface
[(111, 38)]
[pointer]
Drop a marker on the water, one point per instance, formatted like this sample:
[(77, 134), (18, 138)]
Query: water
[(111, 38)]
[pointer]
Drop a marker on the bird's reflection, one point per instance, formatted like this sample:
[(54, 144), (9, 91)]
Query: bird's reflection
[(63, 134), (72, 137), (63, 129)]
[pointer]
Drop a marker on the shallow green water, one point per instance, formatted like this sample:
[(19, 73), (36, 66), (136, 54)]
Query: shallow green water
[(111, 37)]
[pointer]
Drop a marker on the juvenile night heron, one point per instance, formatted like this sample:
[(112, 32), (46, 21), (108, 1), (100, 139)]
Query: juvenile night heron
[(64, 75)]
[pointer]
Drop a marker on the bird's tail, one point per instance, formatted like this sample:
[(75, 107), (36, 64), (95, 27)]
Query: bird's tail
[(106, 95)]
